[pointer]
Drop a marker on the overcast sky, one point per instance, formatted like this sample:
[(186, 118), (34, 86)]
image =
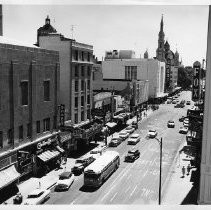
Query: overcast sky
[(108, 27)]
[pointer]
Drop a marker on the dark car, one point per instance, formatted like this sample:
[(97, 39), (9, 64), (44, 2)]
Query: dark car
[(80, 164), (135, 124), (181, 119), (170, 124), (132, 155), (115, 141)]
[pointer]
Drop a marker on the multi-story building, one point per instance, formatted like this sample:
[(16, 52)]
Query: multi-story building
[(163, 53), (75, 72), (29, 97)]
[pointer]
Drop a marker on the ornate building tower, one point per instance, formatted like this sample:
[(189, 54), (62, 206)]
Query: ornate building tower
[(176, 59), (146, 56), (160, 52)]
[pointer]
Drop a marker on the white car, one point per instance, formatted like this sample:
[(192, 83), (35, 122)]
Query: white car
[(37, 196), (186, 125), (134, 139), (152, 133), (123, 135), (129, 129), (186, 120), (65, 180), (183, 130), (96, 152)]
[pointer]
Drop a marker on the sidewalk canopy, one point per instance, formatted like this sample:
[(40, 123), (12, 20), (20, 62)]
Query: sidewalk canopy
[(8, 175), (48, 155), (111, 124)]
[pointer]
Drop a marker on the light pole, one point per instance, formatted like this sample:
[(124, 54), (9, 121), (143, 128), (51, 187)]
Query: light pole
[(160, 176)]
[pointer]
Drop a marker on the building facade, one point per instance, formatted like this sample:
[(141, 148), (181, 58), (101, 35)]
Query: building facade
[(76, 60), (29, 98)]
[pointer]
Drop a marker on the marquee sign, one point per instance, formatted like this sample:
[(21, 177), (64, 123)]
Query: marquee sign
[(196, 81), (62, 114)]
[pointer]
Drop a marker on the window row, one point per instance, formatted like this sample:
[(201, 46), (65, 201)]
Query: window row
[(45, 127), (82, 116), (82, 101), (81, 71), (24, 85), (83, 85), (130, 72), (84, 56)]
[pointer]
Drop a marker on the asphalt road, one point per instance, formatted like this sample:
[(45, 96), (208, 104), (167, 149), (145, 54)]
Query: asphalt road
[(135, 183)]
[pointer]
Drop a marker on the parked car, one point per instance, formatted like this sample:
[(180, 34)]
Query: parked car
[(171, 124), (132, 155), (81, 164), (37, 196), (123, 135), (129, 129), (65, 180), (186, 120), (115, 141), (134, 139), (188, 103), (181, 119), (134, 124), (183, 130), (152, 133)]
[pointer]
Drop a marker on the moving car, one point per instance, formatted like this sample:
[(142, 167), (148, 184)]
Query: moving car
[(65, 180), (123, 135), (81, 164), (115, 141), (152, 133), (170, 124), (134, 139), (132, 155), (188, 103), (129, 129), (183, 130), (37, 196)]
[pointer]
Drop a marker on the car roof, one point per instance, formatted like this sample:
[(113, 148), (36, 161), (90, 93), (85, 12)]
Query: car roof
[(153, 130), (36, 192), (135, 135), (65, 174)]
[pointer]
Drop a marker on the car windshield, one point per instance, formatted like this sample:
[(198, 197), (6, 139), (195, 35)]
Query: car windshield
[(79, 161), (94, 152), (134, 137), (131, 152), (62, 177), (152, 131), (128, 128), (35, 195), (123, 133)]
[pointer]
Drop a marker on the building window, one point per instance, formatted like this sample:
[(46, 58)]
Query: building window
[(82, 115), (88, 84), (1, 139), (24, 93), (88, 99), (88, 56), (76, 85), (76, 118), (76, 102), (46, 85), (89, 71), (54, 122), (29, 130), (88, 113), (38, 126), (46, 124), (21, 132), (9, 136), (76, 71), (82, 56), (82, 100), (93, 76), (76, 55), (82, 85), (82, 71), (0, 102)]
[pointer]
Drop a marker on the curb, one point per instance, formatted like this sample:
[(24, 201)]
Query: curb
[(51, 186)]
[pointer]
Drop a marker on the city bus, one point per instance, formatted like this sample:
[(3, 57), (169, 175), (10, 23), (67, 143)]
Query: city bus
[(97, 172)]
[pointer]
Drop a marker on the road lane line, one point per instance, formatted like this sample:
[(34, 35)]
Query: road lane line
[(113, 196), (133, 191)]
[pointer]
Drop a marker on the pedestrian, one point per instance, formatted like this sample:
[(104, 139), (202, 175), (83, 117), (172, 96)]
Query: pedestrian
[(39, 185), (183, 171), (188, 169)]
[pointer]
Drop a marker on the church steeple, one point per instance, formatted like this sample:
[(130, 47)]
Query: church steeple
[(47, 20), (160, 53)]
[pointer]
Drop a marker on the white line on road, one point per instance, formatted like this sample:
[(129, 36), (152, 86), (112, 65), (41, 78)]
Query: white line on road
[(133, 191), (113, 196)]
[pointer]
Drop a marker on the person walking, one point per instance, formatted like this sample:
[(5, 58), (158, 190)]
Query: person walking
[(188, 169), (183, 171)]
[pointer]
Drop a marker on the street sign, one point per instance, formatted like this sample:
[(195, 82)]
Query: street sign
[(196, 81)]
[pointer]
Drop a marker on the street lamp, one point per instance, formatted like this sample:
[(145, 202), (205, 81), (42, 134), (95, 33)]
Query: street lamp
[(161, 148)]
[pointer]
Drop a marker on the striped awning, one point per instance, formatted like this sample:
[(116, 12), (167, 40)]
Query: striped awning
[(8, 175), (48, 155)]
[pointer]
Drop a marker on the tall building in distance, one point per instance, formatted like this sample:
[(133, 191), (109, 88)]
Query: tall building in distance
[(164, 53), (75, 72)]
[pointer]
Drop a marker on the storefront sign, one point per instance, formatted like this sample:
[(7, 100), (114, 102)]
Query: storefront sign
[(196, 82), (44, 143), (62, 114), (8, 161)]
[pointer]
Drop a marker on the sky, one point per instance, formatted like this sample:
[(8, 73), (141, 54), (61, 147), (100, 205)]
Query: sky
[(119, 27)]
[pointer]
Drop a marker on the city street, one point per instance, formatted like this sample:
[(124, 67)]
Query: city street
[(138, 182)]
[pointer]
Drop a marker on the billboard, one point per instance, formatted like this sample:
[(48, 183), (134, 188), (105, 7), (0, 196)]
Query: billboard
[(196, 87)]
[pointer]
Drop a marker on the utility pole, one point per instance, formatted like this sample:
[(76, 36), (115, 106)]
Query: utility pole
[(160, 177), (72, 30)]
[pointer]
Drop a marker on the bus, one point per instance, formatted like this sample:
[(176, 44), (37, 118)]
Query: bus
[(97, 172)]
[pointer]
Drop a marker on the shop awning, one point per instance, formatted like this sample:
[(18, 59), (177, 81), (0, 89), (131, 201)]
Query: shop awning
[(111, 124), (59, 149), (48, 155), (8, 175)]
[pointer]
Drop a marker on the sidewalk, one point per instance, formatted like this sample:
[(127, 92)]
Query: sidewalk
[(180, 190), (50, 179)]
